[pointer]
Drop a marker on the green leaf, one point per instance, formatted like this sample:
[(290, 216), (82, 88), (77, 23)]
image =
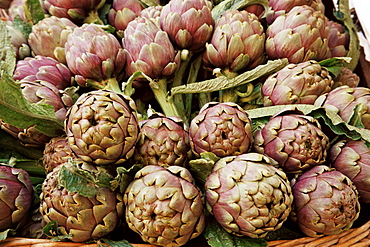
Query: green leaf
[(218, 237), (7, 52), (202, 167), (33, 11), (4, 234), (335, 65), (25, 28), (17, 111), (51, 229), (221, 7), (222, 82)]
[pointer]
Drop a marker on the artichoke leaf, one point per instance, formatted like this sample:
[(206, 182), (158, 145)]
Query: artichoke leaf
[(222, 82), (51, 229), (121, 243), (343, 14), (5, 234), (216, 236), (224, 5), (335, 65), (201, 168), (7, 52), (33, 11)]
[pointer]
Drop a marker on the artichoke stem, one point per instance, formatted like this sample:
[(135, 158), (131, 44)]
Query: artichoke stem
[(112, 85), (228, 95), (159, 88)]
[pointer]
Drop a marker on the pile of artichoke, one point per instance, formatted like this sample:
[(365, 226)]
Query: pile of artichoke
[(180, 122)]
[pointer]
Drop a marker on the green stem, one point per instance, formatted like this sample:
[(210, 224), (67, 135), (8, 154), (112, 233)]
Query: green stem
[(159, 88), (229, 95), (112, 85)]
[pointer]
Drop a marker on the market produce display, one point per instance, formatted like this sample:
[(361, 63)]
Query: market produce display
[(182, 122)]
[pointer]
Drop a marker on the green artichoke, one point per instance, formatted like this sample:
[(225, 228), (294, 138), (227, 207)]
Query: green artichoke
[(325, 202), (352, 158), (148, 49), (102, 127), (94, 56), (164, 205), (247, 195), (300, 83), (295, 141), (221, 128), (49, 36), (84, 217), (16, 196), (163, 141), (238, 42), (300, 35), (349, 103), (189, 23)]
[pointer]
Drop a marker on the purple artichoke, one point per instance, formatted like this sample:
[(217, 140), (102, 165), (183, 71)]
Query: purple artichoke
[(238, 42), (148, 49), (352, 158), (300, 83), (122, 12), (338, 39), (16, 196), (325, 202), (300, 35), (248, 195), (189, 23), (163, 141), (19, 41), (344, 100), (295, 141), (221, 128), (346, 77), (45, 69), (94, 56), (49, 36)]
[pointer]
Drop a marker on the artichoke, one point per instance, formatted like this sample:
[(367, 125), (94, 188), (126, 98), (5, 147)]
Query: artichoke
[(46, 69), (295, 141), (248, 195), (84, 217), (102, 127), (49, 36), (122, 12), (352, 158), (19, 41), (163, 141), (300, 35), (164, 205), (94, 56), (16, 196), (154, 13), (76, 11), (56, 152), (148, 49), (351, 104), (338, 39), (238, 42), (300, 83), (189, 23), (346, 77), (221, 128), (325, 202)]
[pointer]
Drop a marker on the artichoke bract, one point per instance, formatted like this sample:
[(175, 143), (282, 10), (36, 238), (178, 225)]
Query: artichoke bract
[(163, 141), (300, 35), (248, 195), (94, 56), (300, 83), (19, 41), (346, 77), (16, 196), (189, 23), (49, 36), (122, 12), (102, 127), (325, 202), (238, 42), (164, 205), (83, 217), (352, 158), (345, 101), (338, 39), (148, 49), (221, 128), (295, 141)]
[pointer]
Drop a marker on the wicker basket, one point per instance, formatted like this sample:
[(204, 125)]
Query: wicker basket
[(355, 237)]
